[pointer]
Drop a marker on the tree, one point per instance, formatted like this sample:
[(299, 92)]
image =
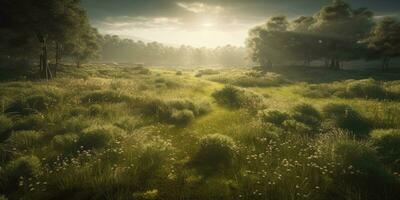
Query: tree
[(85, 45), (265, 42), (384, 40), (49, 22), (342, 28), (333, 34)]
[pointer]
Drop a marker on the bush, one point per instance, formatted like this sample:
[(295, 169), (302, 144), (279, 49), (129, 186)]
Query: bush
[(5, 126), (345, 117), (26, 167), (216, 152), (95, 110), (72, 125), (182, 116), (307, 115), (364, 170), (99, 137), (234, 97), (368, 88), (174, 111), (33, 103), (24, 140), (388, 147), (77, 111), (179, 73), (295, 127), (208, 72), (105, 96), (273, 116), (31, 122), (263, 80), (67, 143)]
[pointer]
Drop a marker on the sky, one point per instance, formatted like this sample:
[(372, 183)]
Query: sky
[(207, 23)]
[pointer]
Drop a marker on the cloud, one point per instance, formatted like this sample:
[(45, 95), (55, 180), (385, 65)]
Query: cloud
[(126, 22), (197, 7)]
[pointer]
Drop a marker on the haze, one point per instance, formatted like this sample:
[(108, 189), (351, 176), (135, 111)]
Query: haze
[(208, 23)]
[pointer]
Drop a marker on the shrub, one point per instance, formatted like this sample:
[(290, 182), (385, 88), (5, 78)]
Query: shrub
[(368, 88), (105, 96), (273, 116), (76, 111), (364, 170), (67, 143), (2, 197), (99, 137), (263, 80), (23, 140), (182, 116), (216, 152), (179, 73), (5, 126), (388, 147), (95, 110), (208, 72), (33, 103), (174, 111), (233, 97), (293, 126), (345, 117), (72, 125), (307, 115), (128, 123), (31, 122), (26, 167)]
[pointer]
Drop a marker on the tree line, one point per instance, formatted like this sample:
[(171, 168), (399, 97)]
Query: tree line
[(335, 34), (116, 49)]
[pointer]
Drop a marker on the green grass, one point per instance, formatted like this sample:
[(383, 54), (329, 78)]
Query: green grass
[(103, 132)]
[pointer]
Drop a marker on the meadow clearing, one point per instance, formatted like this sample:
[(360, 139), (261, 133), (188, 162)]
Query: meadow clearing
[(120, 132)]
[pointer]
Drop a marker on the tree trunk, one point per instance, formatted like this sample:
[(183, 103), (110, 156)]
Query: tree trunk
[(326, 62), (385, 63), (78, 64), (45, 70), (57, 58), (335, 64)]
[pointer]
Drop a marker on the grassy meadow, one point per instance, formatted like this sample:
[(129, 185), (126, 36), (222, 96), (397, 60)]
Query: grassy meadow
[(121, 132)]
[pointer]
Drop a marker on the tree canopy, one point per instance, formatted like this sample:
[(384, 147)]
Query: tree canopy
[(333, 34)]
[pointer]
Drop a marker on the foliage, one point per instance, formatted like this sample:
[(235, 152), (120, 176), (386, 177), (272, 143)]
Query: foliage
[(234, 97), (216, 152), (5, 125), (34, 103), (99, 137), (307, 114), (104, 96), (179, 112), (387, 143), (24, 140), (25, 167), (365, 88), (274, 117), (66, 143), (345, 117), (311, 38), (383, 40)]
